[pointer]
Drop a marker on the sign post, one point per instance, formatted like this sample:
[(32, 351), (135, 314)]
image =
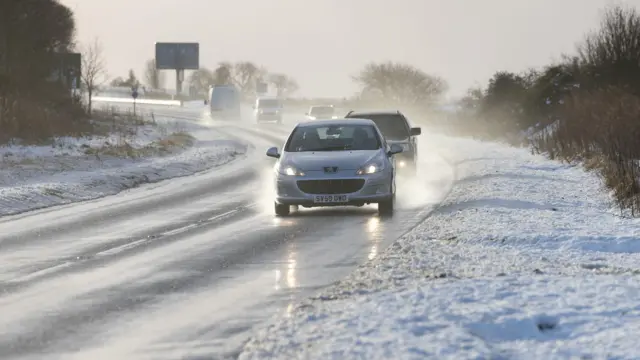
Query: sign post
[(134, 95), (178, 57)]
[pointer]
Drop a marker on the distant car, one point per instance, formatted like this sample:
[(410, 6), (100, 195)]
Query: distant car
[(319, 112), (224, 102), (335, 163), (396, 129), (268, 109)]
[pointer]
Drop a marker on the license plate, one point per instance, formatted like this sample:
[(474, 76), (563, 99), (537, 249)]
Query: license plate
[(330, 199)]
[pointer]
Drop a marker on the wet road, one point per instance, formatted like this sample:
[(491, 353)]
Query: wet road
[(186, 267)]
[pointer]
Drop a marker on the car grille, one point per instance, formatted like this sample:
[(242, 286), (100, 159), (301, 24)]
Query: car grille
[(334, 186)]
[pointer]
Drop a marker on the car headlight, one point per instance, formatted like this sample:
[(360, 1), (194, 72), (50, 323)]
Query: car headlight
[(290, 171), (371, 168)]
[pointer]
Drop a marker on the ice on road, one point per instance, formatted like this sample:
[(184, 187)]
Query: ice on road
[(524, 259)]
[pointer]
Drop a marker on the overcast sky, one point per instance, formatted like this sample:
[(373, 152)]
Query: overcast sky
[(323, 42)]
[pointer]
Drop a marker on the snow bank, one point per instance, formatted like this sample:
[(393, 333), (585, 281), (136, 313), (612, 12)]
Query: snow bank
[(523, 260), (72, 169)]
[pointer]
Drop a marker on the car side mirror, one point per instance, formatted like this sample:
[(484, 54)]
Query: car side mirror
[(415, 131), (395, 149), (273, 152)]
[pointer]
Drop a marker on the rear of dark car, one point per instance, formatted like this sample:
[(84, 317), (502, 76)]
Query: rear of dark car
[(396, 130)]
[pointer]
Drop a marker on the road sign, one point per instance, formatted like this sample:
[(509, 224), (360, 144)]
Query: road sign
[(177, 56), (134, 94)]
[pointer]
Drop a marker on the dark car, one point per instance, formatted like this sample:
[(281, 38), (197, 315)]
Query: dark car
[(396, 129)]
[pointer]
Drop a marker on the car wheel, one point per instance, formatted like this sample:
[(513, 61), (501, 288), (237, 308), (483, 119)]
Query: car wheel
[(281, 210), (386, 207)]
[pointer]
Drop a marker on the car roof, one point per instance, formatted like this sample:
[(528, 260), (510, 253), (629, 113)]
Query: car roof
[(374, 112), (336, 122)]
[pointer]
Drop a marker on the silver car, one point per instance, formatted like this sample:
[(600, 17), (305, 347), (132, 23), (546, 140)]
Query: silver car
[(335, 163), (268, 109)]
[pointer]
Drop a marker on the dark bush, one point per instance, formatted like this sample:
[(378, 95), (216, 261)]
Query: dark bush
[(32, 106)]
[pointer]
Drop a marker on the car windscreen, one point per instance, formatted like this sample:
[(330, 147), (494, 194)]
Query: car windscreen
[(333, 138), (321, 111), (268, 103), (392, 126)]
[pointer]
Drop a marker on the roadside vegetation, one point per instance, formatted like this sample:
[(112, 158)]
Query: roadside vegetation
[(32, 106), (121, 132), (582, 110), (41, 104)]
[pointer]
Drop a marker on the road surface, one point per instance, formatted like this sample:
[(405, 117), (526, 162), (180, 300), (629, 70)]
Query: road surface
[(184, 268)]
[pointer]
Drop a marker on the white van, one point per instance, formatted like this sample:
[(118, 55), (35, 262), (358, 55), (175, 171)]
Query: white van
[(224, 102), (268, 109)]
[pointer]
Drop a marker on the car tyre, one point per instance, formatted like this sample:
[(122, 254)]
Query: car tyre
[(281, 209), (386, 207)]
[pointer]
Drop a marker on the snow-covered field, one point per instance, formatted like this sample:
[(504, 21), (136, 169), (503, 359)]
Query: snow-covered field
[(76, 169), (525, 259)]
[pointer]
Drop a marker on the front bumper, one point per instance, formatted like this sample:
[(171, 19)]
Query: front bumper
[(374, 188)]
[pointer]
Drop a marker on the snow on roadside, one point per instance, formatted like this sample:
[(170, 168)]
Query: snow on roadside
[(525, 259), (76, 169)]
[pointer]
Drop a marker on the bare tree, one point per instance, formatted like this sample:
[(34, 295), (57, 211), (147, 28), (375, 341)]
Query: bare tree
[(153, 77), (224, 74), (246, 74), (611, 54), (284, 84), (201, 79), (131, 81), (400, 83), (93, 68)]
